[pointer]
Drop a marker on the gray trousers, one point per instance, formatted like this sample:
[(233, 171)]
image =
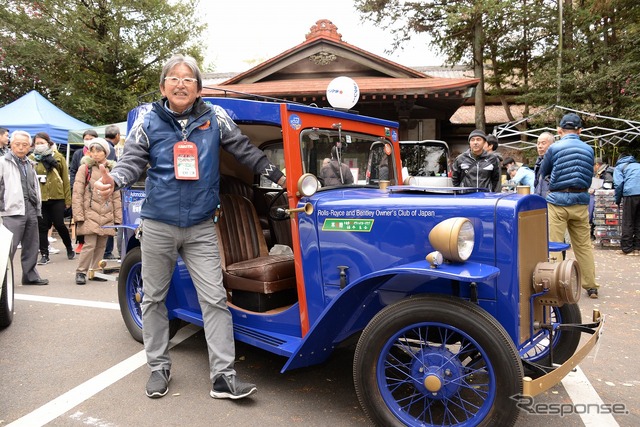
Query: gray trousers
[(25, 231), (198, 246)]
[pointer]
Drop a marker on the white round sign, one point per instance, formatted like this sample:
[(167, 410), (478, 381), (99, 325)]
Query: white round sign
[(343, 92)]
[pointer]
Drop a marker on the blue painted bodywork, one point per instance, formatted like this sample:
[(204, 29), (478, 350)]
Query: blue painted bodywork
[(384, 264)]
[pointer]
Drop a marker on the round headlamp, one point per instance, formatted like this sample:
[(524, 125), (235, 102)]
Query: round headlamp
[(410, 180), (561, 281), (307, 185), (453, 238)]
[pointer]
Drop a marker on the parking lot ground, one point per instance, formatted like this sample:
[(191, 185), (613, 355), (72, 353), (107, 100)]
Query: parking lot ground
[(69, 342)]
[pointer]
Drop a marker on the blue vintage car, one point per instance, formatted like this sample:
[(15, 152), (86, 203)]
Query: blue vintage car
[(456, 305)]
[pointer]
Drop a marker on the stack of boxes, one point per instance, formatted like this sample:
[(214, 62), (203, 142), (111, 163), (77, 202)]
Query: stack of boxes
[(607, 218)]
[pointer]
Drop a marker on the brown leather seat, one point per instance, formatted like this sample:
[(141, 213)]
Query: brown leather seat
[(232, 185), (246, 263)]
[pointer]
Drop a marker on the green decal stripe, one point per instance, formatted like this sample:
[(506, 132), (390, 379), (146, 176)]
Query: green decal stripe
[(341, 224)]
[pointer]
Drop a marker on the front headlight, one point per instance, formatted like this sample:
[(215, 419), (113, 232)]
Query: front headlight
[(560, 281), (410, 180), (307, 185), (453, 238)]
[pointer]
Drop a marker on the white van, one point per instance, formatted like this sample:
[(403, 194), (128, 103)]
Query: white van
[(6, 271)]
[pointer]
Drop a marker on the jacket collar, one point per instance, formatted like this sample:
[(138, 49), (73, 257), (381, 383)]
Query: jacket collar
[(198, 108)]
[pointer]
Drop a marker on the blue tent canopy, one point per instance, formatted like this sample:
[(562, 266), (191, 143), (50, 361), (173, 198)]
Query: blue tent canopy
[(34, 113)]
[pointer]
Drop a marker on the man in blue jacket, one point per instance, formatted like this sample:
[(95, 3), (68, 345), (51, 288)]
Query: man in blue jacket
[(179, 137), (626, 178), (569, 165)]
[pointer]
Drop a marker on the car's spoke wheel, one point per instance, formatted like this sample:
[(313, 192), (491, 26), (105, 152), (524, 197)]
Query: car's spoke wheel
[(437, 361), (565, 342), (130, 293)]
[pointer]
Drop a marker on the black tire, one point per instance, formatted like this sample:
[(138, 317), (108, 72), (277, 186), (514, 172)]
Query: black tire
[(565, 342), (8, 296), (437, 360), (130, 293)]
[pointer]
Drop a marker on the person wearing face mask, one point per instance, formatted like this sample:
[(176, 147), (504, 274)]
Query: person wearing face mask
[(56, 193), (91, 213), (87, 136)]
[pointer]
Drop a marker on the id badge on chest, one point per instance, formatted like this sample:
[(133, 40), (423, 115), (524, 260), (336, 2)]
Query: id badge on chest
[(185, 160)]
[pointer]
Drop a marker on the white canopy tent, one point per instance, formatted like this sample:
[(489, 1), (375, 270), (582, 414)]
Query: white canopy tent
[(513, 136)]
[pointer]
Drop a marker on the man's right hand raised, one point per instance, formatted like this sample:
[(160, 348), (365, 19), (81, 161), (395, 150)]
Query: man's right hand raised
[(105, 185)]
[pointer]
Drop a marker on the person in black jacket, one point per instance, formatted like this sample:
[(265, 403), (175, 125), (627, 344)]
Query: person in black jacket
[(475, 167)]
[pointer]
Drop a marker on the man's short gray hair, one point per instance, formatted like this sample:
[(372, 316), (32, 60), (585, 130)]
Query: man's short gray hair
[(19, 132), (178, 59), (111, 131), (547, 136), (512, 168)]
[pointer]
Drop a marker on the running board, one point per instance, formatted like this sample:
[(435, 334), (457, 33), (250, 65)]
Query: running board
[(280, 344)]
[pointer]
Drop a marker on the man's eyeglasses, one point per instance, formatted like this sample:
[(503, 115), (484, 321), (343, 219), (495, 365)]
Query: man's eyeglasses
[(174, 81)]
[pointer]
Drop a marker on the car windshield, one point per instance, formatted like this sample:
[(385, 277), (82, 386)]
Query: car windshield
[(424, 159), (339, 158)]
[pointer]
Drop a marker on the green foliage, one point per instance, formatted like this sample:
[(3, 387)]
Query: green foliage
[(521, 43), (92, 57)]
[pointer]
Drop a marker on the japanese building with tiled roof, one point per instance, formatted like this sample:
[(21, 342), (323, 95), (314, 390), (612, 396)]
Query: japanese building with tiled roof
[(421, 102)]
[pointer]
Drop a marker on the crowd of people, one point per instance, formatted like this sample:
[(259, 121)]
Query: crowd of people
[(563, 175), (37, 187), (38, 192)]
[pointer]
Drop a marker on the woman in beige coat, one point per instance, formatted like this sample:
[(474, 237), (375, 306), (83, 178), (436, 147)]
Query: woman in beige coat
[(91, 212)]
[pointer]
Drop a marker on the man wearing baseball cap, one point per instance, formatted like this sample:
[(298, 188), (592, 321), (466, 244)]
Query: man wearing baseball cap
[(475, 167), (569, 164)]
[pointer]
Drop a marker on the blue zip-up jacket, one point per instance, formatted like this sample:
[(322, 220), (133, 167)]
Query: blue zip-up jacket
[(627, 182), (569, 165), (151, 141)]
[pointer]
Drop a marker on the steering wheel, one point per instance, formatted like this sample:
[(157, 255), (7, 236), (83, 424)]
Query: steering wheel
[(277, 214)]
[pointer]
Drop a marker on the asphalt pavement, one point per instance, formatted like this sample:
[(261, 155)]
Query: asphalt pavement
[(68, 360)]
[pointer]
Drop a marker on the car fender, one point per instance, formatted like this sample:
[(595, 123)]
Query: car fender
[(359, 301)]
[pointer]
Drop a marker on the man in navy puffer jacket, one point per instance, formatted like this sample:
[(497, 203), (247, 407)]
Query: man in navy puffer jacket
[(179, 137), (626, 178), (569, 165)]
